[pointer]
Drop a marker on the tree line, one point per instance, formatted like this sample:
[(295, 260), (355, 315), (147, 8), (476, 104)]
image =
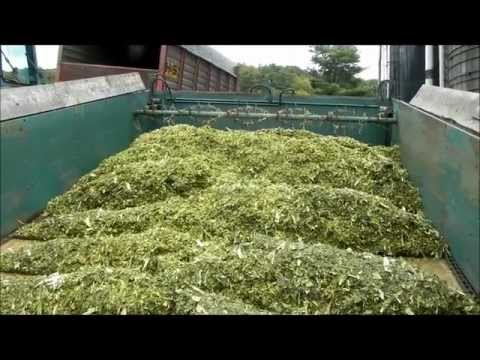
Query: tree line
[(334, 73)]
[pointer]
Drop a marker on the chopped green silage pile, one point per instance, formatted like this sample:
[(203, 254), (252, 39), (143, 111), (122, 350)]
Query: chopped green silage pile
[(116, 291), (311, 213), (185, 158), (134, 184), (201, 221), (264, 276)]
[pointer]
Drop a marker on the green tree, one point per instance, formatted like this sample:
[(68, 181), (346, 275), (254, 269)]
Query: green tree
[(302, 85), (334, 73), (276, 76), (337, 64), (248, 76)]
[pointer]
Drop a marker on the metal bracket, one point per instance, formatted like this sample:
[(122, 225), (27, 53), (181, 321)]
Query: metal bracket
[(157, 78), (267, 88), (384, 90), (288, 90)]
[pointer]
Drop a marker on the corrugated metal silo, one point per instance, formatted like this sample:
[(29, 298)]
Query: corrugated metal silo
[(462, 67)]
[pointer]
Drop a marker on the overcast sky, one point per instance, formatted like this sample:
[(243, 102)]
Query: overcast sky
[(297, 55)]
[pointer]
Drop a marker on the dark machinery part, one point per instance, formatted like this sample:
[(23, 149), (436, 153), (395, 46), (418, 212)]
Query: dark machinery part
[(164, 95), (33, 70), (460, 276), (384, 90), (268, 89), (4, 80), (285, 91), (407, 70), (163, 104)]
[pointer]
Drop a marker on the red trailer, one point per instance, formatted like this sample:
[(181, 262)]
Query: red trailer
[(185, 67)]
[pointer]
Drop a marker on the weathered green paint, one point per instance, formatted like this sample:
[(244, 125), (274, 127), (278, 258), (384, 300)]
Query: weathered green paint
[(444, 162), (395, 140), (42, 155), (356, 100), (371, 133), (375, 134), (346, 105)]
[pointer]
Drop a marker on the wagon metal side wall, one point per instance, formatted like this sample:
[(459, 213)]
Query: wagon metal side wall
[(443, 161), (370, 133), (43, 154)]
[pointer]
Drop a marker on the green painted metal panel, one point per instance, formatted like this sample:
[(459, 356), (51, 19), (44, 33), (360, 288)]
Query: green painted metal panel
[(43, 154), (444, 162), (395, 140), (358, 100), (371, 133), (374, 134)]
